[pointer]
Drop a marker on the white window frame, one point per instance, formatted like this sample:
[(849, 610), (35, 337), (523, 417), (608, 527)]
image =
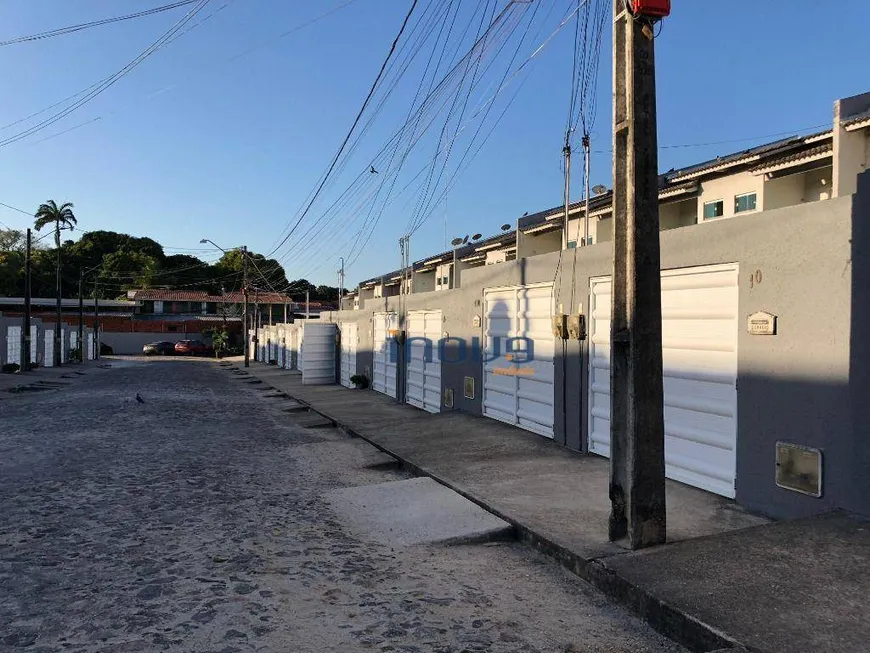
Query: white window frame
[(737, 197), (715, 217)]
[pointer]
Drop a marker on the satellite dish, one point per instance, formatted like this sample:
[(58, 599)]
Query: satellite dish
[(505, 227), (477, 237), (599, 189), (465, 240), (456, 241)]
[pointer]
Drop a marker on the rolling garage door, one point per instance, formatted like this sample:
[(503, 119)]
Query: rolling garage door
[(384, 354), (516, 390), (349, 339), (424, 363), (699, 354)]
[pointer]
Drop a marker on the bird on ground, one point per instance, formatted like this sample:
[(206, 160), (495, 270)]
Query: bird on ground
[(373, 171), (139, 398)]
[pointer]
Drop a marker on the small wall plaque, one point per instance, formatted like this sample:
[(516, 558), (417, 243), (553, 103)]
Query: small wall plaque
[(761, 324), (476, 321)]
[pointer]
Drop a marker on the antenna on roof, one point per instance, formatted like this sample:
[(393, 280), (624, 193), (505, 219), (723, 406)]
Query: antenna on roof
[(505, 227), (477, 237), (465, 240), (599, 189), (456, 241)]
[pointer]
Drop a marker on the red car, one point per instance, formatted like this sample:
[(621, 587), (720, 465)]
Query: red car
[(192, 348)]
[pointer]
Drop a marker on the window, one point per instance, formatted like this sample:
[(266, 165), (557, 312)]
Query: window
[(745, 202), (715, 209), (572, 244), (590, 240)]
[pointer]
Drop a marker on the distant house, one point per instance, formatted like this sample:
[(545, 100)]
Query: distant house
[(159, 304)]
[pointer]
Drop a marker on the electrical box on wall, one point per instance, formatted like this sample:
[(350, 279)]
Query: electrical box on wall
[(560, 326), (577, 327), (799, 468), (448, 397)]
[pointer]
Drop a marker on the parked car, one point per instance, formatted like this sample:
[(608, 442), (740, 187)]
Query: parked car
[(192, 348), (162, 348)]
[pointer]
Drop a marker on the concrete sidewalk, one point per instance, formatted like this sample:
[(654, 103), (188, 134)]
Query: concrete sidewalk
[(726, 579)]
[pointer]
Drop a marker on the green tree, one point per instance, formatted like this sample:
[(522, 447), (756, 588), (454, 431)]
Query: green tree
[(63, 218), (128, 269), (12, 240)]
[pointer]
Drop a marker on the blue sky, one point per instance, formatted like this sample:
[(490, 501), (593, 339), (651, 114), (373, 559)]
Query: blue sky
[(199, 142)]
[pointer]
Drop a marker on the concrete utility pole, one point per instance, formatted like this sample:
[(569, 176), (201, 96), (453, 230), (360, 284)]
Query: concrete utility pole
[(587, 153), (81, 342), (58, 358), (307, 304), (637, 460), (340, 282), (245, 334), (25, 335), (566, 152), (96, 323)]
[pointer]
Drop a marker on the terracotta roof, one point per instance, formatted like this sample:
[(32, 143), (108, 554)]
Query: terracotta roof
[(175, 295), (203, 296)]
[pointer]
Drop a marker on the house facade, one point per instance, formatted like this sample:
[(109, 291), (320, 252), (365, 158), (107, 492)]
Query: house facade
[(765, 262)]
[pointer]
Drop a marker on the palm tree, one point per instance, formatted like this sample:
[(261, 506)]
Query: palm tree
[(63, 218)]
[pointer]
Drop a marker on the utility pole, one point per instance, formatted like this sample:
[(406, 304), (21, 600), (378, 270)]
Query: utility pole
[(637, 452), (566, 151), (587, 153), (96, 322), (25, 335), (341, 283), (58, 359), (245, 333), (80, 341), (307, 312)]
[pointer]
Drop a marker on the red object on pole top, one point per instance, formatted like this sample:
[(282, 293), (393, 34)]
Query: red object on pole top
[(651, 8)]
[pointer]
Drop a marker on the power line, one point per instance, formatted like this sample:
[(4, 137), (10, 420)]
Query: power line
[(61, 31), (353, 126), (106, 83)]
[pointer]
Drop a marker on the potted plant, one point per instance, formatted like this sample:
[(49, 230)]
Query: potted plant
[(360, 381), (219, 341)]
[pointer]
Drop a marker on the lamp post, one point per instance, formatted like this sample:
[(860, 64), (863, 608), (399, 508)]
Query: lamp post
[(244, 250)]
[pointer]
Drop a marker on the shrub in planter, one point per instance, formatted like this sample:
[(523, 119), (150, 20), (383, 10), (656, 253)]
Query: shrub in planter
[(361, 381)]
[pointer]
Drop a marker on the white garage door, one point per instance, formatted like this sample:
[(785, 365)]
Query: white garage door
[(13, 346), (349, 339), (517, 390), (699, 354), (282, 346), (318, 353), (424, 363), (384, 354), (290, 335)]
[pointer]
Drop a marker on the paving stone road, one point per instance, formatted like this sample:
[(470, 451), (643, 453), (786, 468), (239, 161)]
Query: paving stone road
[(197, 521)]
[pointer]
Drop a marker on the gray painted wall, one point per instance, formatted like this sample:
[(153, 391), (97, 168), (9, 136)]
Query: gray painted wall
[(809, 384)]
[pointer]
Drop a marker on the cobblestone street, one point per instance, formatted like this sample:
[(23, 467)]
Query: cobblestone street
[(198, 521)]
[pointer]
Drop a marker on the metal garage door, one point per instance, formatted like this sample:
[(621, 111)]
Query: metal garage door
[(13, 346), (517, 390), (384, 354), (424, 364), (318, 353), (349, 339), (282, 346), (699, 353), (290, 335)]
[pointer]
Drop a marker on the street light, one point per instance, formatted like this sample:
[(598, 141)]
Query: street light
[(244, 250)]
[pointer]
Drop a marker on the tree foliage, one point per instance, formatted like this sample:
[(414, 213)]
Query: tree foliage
[(119, 262)]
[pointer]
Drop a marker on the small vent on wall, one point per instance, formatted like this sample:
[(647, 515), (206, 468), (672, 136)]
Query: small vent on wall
[(469, 387), (448, 397), (799, 468)]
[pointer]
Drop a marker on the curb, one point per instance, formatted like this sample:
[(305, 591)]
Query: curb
[(668, 620)]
